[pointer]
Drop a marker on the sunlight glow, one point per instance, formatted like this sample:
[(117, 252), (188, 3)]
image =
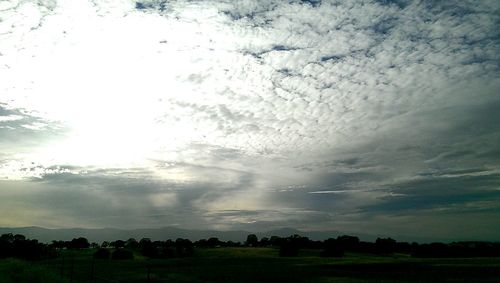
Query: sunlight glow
[(114, 83)]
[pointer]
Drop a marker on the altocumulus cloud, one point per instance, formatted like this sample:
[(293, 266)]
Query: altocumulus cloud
[(363, 116)]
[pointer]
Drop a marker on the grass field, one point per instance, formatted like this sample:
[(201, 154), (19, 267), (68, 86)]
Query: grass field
[(250, 265)]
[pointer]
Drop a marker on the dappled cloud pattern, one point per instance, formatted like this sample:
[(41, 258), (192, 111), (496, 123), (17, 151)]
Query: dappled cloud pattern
[(345, 115)]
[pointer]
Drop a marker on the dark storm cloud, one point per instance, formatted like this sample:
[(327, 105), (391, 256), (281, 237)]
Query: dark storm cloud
[(454, 192), (129, 197), (429, 167)]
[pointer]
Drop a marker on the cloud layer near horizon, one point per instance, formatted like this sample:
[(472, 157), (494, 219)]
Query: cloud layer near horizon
[(369, 116)]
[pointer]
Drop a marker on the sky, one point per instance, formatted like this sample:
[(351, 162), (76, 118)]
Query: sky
[(371, 116)]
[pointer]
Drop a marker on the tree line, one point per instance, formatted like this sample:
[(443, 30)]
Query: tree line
[(19, 246)]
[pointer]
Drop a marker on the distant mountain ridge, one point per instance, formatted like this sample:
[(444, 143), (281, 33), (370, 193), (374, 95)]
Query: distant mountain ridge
[(111, 234)]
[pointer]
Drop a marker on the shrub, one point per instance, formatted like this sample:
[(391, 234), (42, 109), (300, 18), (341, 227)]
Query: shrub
[(102, 254), (289, 249), (333, 248), (122, 254)]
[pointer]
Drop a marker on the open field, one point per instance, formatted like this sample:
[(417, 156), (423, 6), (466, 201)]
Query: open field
[(250, 265)]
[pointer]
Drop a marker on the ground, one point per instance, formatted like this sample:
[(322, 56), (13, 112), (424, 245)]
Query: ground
[(250, 265)]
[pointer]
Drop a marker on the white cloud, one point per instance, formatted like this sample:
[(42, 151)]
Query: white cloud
[(285, 90), (10, 118)]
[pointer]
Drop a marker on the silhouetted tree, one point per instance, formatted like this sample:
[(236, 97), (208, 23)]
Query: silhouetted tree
[(332, 248), (132, 243), (213, 242), (79, 243), (184, 247), (348, 243), (118, 244), (252, 240), (288, 248), (5, 246), (7, 238), (385, 245), (144, 241), (19, 237), (300, 241), (431, 250), (233, 244), (59, 244), (102, 253), (276, 241), (20, 247), (147, 248)]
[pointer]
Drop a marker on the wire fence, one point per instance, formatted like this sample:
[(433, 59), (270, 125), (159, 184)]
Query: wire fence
[(84, 270)]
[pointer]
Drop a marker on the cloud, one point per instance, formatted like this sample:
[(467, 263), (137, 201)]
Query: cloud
[(443, 192), (23, 130), (239, 112), (327, 68), (130, 198)]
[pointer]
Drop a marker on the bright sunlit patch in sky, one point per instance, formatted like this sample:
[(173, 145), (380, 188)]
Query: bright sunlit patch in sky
[(114, 82)]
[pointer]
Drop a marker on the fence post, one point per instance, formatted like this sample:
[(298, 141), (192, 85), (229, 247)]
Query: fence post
[(92, 270), (62, 267), (72, 267)]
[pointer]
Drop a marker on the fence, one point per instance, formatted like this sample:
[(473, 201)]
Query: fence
[(78, 269)]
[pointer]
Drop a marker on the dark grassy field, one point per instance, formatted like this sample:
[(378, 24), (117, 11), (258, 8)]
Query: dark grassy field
[(250, 265)]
